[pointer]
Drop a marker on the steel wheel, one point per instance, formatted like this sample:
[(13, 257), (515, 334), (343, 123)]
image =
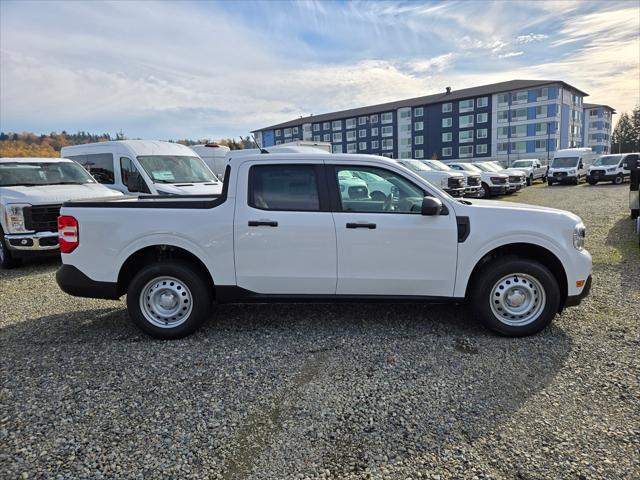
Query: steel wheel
[(166, 302), (517, 299), (618, 180)]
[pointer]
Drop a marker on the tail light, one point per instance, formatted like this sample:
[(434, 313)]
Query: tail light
[(68, 233)]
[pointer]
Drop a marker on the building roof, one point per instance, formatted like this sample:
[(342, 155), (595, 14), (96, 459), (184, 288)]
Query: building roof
[(596, 105), (425, 100)]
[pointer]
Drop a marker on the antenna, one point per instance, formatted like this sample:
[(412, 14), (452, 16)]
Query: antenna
[(262, 150)]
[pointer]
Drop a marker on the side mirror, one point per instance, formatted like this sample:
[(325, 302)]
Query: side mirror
[(134, 182), (581, 165), (431, 206)]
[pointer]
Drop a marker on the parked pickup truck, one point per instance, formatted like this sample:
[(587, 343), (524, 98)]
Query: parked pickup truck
[(32, 191), (533, 169), (281, 231), (492, 183)]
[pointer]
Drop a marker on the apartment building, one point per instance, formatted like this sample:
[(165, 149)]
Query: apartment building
[(597, 127), (504, 121)]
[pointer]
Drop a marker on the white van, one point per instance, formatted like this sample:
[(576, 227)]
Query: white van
[(570, 165), (611, 168), (146, 167), (213, 155)]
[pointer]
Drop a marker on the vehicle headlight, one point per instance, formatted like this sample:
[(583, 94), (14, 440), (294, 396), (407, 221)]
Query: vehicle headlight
[(14, 217), (611, 169), (572, 172), (578, 236)]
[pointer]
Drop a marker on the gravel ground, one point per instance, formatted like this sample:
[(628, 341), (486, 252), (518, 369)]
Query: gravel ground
[(346, 391)]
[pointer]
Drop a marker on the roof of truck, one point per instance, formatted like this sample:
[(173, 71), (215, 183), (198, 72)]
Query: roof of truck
[(34, 159), (139, 147)]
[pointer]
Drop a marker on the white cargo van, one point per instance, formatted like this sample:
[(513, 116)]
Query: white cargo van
[(570, 165), (213, 155), (611, 168), (146, 167)]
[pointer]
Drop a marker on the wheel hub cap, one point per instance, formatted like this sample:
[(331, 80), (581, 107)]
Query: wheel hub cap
[(166, 302), (517, 299)]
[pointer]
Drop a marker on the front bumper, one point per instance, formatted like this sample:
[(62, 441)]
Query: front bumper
[(74, 282), (563, 178), (602, 178), (472, 191), (498, 189), (34, 242), (455, 192), (574, 300)]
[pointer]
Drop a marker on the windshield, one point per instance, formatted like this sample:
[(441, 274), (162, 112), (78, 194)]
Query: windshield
[(485, 167), (496, 165), (46, 173), (438, 165), (522, 163), (176, 169), (608, 160), (416, 165), (467, 167), (564, 162)]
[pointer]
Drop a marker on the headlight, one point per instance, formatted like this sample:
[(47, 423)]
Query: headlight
[(578, 236), (611, 169), (14, 217)]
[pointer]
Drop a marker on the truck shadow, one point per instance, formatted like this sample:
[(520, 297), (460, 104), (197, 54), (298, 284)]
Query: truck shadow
[(32, 266)]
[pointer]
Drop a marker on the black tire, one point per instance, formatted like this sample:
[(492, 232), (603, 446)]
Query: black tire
[(619, 180), (550, 182), (7, 260), (487, 191), (592, 182), (482, 291), (201, 296), (529, 180), (635, 213)]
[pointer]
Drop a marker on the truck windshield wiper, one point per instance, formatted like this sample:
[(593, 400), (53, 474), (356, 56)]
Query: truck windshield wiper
[(160, 180), (66, 183), (22, 184)]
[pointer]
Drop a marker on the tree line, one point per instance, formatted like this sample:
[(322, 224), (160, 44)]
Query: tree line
[(626, 135), (27, 144)]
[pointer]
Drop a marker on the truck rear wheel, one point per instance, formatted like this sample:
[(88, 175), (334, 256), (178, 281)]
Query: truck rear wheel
[(618, 180), (515, 296), (169, 299), (6, 259)]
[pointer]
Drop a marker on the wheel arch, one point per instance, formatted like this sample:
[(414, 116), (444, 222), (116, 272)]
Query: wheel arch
[(528, 251)]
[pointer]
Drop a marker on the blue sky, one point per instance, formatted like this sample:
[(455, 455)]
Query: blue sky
[(212, 70)]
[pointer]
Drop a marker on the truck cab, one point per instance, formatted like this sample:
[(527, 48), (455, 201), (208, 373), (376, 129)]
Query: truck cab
[(146, 167), (570, 166), (611, 168)]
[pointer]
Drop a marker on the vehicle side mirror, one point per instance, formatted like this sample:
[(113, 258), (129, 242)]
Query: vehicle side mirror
[(134, 182), (431, 206), (581, 165)]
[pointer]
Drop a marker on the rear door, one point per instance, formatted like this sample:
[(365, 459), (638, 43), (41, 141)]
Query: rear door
[(385, 246), (284, 235)]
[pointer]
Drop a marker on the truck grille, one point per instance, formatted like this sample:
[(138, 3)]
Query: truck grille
[(456, 182), (598, 173), (499, 180), (515, 179), (473, 181), (42, 218)]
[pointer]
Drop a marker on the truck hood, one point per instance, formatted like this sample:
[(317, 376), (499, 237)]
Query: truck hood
[(502, 206), (48, 194), (438, 174), (189, 188), (515, 171)]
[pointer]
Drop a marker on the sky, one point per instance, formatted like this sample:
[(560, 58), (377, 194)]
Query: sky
[(174, 70)]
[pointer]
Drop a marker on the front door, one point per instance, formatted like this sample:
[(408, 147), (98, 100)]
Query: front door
[(385, 246), (284, 236)]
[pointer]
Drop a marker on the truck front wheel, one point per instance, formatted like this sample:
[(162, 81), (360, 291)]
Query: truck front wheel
[(515, 296), (6, 259), (484, 192), (169, 299)]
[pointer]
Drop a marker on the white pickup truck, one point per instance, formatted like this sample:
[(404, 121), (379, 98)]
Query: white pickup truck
[(281, 231), (533, 169)]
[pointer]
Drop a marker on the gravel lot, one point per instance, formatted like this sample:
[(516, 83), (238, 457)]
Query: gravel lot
[(346, 391)]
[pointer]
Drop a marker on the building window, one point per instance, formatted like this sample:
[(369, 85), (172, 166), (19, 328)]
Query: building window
[(482, 117), (351, 123), (519, 131), (519, 97), (287, 132), (503, 132), (337, 137), (362, 146), (542, 94), (503, 147), (278, 133), (373, 118), (336, 125), (418, 126), (465, 136), (405, 128), (519, 114), (518, 147), (316, 138), (465, 106), (482, 102), (503, 116), (481, 133), (405, 154), (419, 140), (326, 126), (465, 151), (316, 127), (374, 144), (541, 111), (351, 135), (447, 122), (503, 99), (336, 148), (387, 144), (481, 148), (387, 131), (446, 107), (541, 145), (295, 130), (388, 155), (577, 100), (541, 128), (447, 151), (374, 132), (362, 120), (465, 121), (404, 142), (386, 117), (418, 112), (351, 148), (362, 133), (447, 136), (278, 142), (404, 113), (419, 154)]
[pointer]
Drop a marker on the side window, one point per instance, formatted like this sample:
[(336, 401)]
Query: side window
[(376, 190), (99, 165), (284, 187), (127, 168)]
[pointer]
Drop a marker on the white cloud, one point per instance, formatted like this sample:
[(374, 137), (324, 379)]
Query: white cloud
[(531, 37), (511, 54)]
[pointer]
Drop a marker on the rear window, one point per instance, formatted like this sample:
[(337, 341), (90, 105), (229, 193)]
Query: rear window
[(284, 187), (100, 165)]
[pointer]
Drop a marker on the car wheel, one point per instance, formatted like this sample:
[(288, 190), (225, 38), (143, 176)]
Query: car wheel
[(484, 192), (549, 182), (6, 259), (169, 299), (618, 180), (515, 296), (529, 180), (592, 182)]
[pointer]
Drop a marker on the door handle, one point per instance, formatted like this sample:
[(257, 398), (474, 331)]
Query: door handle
[(370, 226), (262, 223)]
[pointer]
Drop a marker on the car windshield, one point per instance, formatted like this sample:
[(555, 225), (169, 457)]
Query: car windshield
[(438, 165), (496, 165), (416, 166), (485, 167), (608, 160), (564, 162), (468, 167), (176, 169), (521, 164), (45, 173)]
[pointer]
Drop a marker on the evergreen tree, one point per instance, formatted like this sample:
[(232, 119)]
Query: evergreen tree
[(623, 135)]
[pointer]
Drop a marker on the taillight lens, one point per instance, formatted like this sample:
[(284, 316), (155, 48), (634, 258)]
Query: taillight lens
[(68, 233)]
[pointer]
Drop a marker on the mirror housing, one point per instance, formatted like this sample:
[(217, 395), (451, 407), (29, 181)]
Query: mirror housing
[(431, 206)]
